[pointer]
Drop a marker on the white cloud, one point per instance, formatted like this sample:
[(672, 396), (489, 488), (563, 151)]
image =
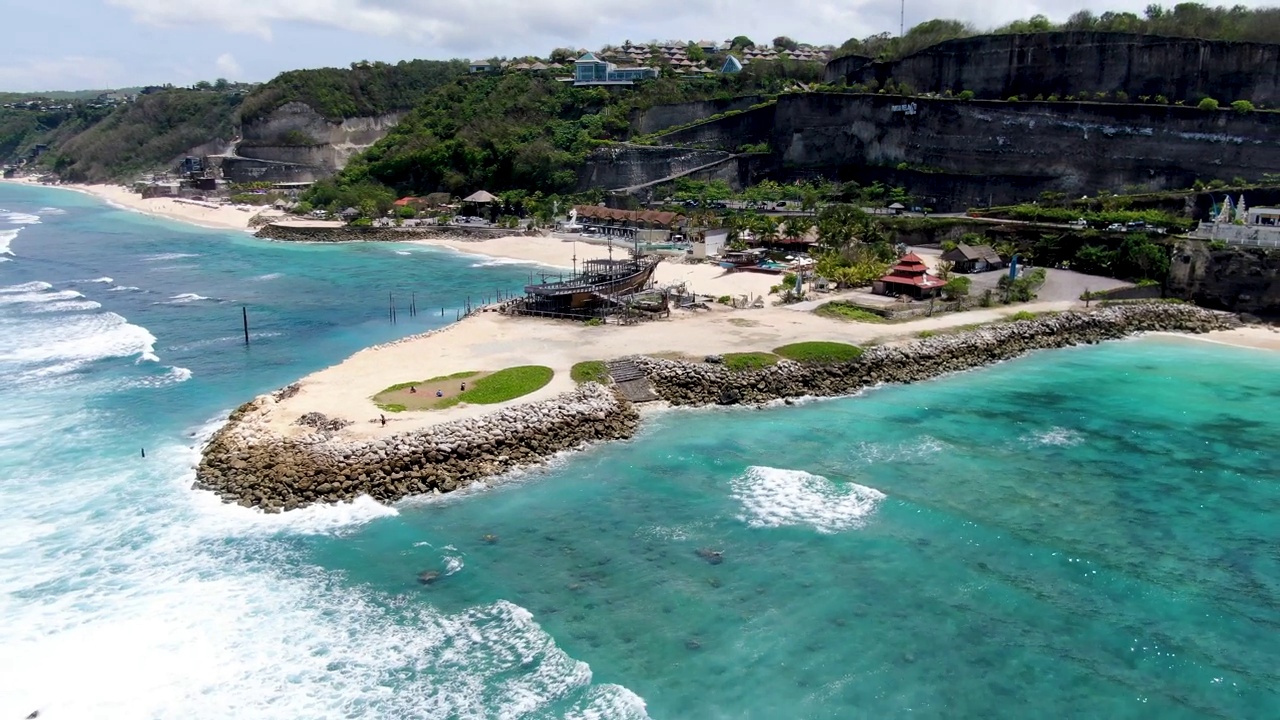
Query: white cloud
[(227, 66), (69, 72), (508, 27)]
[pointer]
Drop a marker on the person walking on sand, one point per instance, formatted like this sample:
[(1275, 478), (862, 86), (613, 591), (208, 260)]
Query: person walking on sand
[(384, 419), (464, 387)]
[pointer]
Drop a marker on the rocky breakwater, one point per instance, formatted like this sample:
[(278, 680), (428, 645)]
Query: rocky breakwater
[(249, 464), (691, 383), (347, 233)]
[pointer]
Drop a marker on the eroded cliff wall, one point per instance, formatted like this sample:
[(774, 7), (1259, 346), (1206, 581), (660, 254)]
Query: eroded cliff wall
[(296, 135), (1242, 279), (661, 117), (626, 166), (1070, 63), (971, 150)]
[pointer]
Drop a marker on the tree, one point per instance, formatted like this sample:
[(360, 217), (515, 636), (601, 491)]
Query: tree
[(741, 42), (695, 52), (944, 269), (957, 287), (563, 55), (1208, 104), (838, 225), (1242, 106), (783, 42)]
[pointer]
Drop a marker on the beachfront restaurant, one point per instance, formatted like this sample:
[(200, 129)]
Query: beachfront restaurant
[(646, 226)]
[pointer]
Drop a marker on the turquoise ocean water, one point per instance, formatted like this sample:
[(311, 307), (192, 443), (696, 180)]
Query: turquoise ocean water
[(1084, 533)]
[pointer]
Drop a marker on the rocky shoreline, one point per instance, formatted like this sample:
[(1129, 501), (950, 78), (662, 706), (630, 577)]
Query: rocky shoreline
[(302, 233), (686, 383), (247, 464)]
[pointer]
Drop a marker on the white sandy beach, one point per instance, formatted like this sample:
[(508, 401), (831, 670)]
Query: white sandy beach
[(208, 215)]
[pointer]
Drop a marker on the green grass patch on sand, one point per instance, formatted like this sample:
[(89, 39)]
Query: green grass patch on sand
[(844, 311), (590, 371), (505, 385), (819, 352), (1028, 315), (421, 394), (749, 360)]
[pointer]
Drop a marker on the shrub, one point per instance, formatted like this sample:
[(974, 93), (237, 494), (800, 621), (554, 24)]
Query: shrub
[(1217, 245), (590, 371), (1012, 98), (593, 322), (819, 352), (957, 287), (1053, 97), (926, 334), (1208, 104), (965, 95), (1161, 100), (1020, 316), (739, 362), (1242, 106)]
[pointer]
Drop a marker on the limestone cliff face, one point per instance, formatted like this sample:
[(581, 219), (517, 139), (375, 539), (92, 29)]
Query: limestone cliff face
[(661, 117), (1070, 63), (627, 166), (972, 150), (295, 142), (1237, 278)]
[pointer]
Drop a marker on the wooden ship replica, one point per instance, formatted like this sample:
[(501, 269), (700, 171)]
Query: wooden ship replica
[(599, 288)]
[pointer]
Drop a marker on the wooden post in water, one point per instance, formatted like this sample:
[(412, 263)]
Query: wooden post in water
[(244, 314)]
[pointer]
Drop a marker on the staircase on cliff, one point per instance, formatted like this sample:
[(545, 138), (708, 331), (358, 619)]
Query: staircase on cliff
[(631, 382)]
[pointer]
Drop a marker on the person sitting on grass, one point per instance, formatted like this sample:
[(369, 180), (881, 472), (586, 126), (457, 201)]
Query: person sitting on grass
[(413, 390), (439, 393)]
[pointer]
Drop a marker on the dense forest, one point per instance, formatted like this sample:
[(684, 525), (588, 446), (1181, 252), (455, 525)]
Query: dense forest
[(526, 131), (366, 89), (154, 131), (1193, 20)]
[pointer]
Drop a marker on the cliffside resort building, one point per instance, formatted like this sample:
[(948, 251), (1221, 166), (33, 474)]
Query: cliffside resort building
[(591, 70)]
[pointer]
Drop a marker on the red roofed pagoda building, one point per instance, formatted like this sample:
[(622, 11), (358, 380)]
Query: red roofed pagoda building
[(909, 277)]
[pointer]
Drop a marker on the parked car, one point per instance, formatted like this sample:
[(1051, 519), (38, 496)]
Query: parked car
[(718, 205), (1080, 223), (1115, 227), (780, 203)]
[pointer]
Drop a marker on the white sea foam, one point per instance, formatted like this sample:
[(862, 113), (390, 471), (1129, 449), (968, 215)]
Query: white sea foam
[(403, 252), (18, 218), (26, 287), (1057, 437), (495, 261), (6, 238), (124, 288), (184, 298), (69, 341), (914, 449), (101, 280), (162, 257), (269, 276), (774, 497), (51, 211)]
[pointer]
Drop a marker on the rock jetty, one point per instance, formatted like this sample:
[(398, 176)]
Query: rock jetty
[(348, 233), (249, 464), (693, 383), (254, 467)]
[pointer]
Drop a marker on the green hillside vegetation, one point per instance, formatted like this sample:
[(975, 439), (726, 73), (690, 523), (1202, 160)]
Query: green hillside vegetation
[(1192, 20), (365, 89), (21, 130), (152, 132), (522, 131)]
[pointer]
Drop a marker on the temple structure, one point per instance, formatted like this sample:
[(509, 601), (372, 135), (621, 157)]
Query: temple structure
[(909, 277)]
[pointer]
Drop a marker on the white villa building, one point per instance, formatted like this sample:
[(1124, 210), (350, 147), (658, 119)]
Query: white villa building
[(591, 70)]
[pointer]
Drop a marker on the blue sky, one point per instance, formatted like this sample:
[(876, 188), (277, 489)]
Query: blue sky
[(81, 44)]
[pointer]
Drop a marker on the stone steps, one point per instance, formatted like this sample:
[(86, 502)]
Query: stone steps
[(631, 382)]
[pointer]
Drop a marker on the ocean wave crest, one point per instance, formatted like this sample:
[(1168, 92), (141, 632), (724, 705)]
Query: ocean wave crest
[(19, 218), (6, 238), (162, 257), (777, 497)]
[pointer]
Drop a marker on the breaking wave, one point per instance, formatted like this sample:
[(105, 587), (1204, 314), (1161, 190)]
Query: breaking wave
[(774, 497)]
